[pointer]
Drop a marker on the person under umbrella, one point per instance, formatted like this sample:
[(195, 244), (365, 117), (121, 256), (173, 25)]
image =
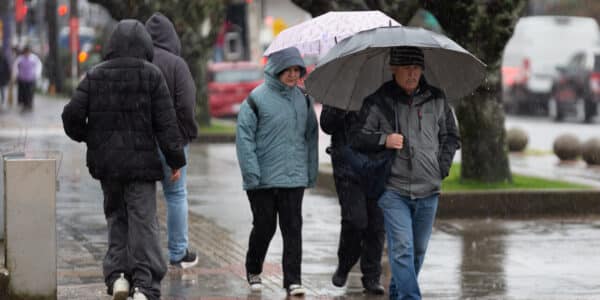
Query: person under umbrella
[(362, 234), (413, 119)]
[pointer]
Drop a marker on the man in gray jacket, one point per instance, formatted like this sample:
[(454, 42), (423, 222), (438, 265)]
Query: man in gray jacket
[(183, 92), (413, 119)]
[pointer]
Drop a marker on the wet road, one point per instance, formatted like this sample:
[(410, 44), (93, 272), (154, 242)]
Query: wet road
[(467, 259)]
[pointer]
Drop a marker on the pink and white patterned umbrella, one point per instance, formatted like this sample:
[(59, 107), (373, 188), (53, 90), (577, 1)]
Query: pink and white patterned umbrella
[(316, 36)]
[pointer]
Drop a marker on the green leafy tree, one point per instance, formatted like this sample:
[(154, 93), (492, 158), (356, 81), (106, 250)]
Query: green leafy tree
[(197, 23), (482, 27)]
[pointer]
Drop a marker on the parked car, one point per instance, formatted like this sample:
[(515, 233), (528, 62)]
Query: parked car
[(576, 90), (538, 45), (229, 83)]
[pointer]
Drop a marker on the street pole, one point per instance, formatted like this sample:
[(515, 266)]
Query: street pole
[(53, 62), (74, 40), (5, 7)]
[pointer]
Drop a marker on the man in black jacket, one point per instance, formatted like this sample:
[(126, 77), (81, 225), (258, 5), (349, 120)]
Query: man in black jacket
[(183, 92), (362, 231), (122, 110), (408, 116)]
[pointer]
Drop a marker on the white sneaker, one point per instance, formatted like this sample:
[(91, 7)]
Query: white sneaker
[(255, 282), (296, 290), (137, 295), (120, 288)]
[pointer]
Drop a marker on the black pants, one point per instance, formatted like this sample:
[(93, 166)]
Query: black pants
[(133, 236), (25, 91), (362, 233), (266, 204)]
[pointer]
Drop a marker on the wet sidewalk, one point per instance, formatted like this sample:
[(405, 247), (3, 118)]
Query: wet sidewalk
[(467, 258)]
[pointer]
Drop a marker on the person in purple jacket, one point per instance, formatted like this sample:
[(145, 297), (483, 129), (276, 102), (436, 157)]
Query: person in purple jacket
[(26, 69)]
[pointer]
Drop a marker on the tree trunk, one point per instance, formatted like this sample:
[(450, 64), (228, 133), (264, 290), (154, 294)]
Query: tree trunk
[(198, 70), (484, 152)]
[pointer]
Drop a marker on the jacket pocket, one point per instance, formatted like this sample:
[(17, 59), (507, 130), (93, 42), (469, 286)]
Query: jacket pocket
[(427, 166)]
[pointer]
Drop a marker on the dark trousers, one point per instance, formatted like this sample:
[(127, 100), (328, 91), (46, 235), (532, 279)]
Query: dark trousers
[(362, 233), (266, 204), (133, 236), (25, 92)]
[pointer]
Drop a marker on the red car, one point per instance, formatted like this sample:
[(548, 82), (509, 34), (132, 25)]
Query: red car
[(229, 83)]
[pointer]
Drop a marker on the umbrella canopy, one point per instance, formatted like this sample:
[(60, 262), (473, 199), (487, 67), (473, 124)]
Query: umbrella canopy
[(316, 36), (357, 66)]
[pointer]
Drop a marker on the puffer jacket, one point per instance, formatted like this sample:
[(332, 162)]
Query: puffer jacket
[(122, 110), (167, 48), (430, 133), (279, 147)]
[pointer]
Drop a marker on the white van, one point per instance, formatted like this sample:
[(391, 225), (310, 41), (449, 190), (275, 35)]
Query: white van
[(538, 45)]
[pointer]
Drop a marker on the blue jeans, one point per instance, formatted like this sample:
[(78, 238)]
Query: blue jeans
[(408, 224), (177, 210)]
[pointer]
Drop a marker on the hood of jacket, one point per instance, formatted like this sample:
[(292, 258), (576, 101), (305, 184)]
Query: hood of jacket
[(281, 60), (163, 33), (129, 38)]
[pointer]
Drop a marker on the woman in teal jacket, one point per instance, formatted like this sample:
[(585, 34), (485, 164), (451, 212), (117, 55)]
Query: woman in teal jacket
[(276, 144)]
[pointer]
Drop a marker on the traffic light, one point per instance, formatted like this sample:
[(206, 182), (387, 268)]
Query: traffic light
[(62, 10), (82, 57), (20, 10)]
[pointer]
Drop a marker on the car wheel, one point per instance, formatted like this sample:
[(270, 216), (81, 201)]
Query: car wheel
[(590, 111), (580, 109), (553, 110)]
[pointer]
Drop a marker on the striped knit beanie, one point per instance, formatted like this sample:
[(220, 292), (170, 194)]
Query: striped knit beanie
[(405, 55)]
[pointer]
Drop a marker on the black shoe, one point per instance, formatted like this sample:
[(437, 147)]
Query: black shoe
[(339, 278), (189, 260), (373, 287)]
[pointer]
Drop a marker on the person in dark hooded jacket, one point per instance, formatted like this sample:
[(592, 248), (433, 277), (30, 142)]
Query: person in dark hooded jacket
[(123, 112), (183, 92), (362, 233)]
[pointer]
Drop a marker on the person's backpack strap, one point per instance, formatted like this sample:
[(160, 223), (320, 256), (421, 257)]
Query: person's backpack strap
[(303, 90), (252, 105)]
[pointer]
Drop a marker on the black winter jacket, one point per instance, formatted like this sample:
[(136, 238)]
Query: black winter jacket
[(122, 110), (181, 85)]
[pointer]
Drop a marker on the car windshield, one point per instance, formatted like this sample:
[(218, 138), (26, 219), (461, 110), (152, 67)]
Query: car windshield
[(239, 75)]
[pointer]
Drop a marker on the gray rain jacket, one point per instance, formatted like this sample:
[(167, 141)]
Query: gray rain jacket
[(430, 133), (167, 48)]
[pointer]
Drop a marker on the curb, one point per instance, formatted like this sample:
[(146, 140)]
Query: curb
[(507, 204)]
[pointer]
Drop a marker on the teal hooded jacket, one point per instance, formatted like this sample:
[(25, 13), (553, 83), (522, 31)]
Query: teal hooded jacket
[(279, 147)]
